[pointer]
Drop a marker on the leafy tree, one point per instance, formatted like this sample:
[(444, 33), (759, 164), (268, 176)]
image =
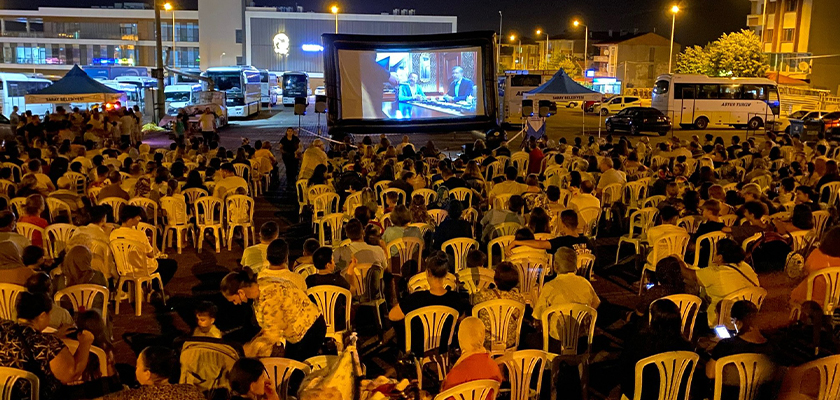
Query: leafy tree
[(568, 63), (736, 54), (693, 60)]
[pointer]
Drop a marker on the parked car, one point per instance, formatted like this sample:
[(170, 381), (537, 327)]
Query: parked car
[(782, 124), (797, 125), (320, 91), (618, 103), (639, 119), (827, 124)]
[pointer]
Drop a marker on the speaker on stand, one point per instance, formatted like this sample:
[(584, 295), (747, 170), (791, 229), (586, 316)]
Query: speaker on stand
[(300, 109), (320, 108)]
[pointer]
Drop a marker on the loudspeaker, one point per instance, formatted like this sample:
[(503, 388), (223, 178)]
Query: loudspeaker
[(527, 108), (320, 104), (300, 105), (547, 108)]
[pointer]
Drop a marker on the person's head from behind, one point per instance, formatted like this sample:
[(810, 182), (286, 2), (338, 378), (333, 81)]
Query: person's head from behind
[(754, 210), (587, 187), (553, 193), (400, 216), (130, 215), (33, 256), (309, 247), (804, 194), (751, 192), (743, 314), (540, 221), (437, 266), (569, 222), (515, 204), (665, 319), (155, 365), (669, 215), (323, 259), (7, 221), (711, 210), (605, 164), (205, 315), (34, 166), (354, 230), (802, 217), (565, 261), (35, 309), (269, 231), (39, 282), (511, 173), (248, 378), (669, 272), (227, 170), (34, 205), (91, 321), (391, 199), (506, 277), (672, 190), (476, 259), (277, 252), (729, 252)]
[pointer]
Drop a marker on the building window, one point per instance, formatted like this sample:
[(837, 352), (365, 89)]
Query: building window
[(791, 5), (787, 35), (768, 36), (239, 60), (239, 38)]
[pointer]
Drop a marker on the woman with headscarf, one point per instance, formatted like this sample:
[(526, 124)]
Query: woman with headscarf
[(76, 269), (12, 269), (142, 188), (475, 362)]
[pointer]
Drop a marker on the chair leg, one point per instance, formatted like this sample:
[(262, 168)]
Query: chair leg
[(179, 238), (618, 251), (230, 237), (138, 298), (162, 291), (200, 241), (218, 234)]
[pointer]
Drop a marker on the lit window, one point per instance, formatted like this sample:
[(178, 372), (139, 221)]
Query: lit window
[(791, 5), (787, 35)]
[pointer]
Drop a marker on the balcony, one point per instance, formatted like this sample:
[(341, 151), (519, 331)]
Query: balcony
[(602, 59), (754, 20)]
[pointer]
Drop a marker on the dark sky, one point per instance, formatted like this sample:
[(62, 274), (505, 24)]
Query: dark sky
[(700, 22)]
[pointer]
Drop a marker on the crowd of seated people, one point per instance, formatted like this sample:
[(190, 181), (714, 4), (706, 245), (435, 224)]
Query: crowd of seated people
[(497, 246)]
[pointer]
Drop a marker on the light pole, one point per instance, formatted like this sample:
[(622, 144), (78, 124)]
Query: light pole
[(545, 64), (220, 58), (499, 49), (674, 10), (334, 10), (519, 49), (171, 9), (158, 73), (577, 23)]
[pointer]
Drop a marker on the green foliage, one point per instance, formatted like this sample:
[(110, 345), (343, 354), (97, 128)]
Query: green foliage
[(568, 63), (736, 54)]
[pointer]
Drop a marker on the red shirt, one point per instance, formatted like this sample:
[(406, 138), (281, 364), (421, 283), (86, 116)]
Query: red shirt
[(37, 240), (535, 161), (473, 368)]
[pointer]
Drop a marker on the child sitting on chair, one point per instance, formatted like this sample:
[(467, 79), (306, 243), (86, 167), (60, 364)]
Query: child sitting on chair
[(205, 316)]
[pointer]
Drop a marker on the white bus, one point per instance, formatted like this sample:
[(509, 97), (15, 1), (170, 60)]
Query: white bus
[(269, 87), (13, 88), (180, 95), (241, 84), (698, 101), (295, 84), (132, 92), (510, 93)]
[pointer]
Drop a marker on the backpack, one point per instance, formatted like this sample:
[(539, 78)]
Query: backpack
[(769, 253)]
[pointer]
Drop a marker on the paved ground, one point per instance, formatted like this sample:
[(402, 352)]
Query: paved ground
[(199, 274)]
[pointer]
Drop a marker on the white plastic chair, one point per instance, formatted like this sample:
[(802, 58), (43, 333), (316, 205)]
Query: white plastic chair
[(78, 181), (501, 314), (754, 370), (206, 364), (334, 223), (711, 239), (116, 204), (401, 196), (690, 223), (502, 242), (642, 220), (585, 263), (820, 223), (149, 206), (378, 188), (460, 248), (239, 210), (666, 246), (407, 248), (828, 369), (10, 376), (833, 191), (127, 254), (57, 236), (506, 229), (8, 300), (520, 161), (438, 216), (56, 207), (324, 204), (475, 279), (420, 281), (28, 230), (463, 195), (281, 369), (672, 367), (326, 298), (177, 222), (755, 295), (501, 201), (729, 220), (483, 389), (429, 195), (532, 272), (521, 368), (590, 217), (84, 296), (689, 306), (364, 277), (570, 319), (302, 194), (208, 211), (351, 202), (433, 320), (97, 351)]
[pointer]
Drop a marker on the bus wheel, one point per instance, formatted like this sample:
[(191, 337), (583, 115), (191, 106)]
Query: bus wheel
[(701, 123), (755, 123)]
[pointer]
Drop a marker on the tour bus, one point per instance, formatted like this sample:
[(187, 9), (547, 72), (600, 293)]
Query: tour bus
[(142, 82), (269, 87), (510, 95), (132, 92), (698, 101), (14, 87), (180, 95), (295, 84), (241, 84)]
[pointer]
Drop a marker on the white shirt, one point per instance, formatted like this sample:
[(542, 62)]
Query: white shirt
[(255, 257), (718, 281), (565, 288), (228, 184), (508, 187), (584, 200), (207, 122), (139, 237), (364, 253), (611, 176), (297, 279)]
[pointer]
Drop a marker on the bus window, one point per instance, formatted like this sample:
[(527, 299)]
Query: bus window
[(730, 92), (753, 92), (708, 91), (525, 80), (683, 91), (661, 87)]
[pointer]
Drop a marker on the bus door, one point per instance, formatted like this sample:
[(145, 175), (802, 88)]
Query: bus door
[(685, 107)]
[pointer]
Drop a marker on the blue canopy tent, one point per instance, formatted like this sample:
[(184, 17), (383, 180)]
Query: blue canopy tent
[(561, 88), (75, 87)]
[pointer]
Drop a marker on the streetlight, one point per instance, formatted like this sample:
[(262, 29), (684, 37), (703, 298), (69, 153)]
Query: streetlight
[(539, 31), (577, 23), (519, 47), (334, 10), (220, 58), (170, 8), (674, 10), (499, 48)]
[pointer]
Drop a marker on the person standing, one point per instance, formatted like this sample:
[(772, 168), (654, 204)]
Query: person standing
[(289, 145), (207, 122), (14, 118)]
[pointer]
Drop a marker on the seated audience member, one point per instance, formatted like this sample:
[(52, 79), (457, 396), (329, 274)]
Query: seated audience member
[(569, 237), (76, 270), (254, 256), (8, 233), (33, 258), (52, 363), (277, 254), (752, 211), (229, 182), (801, 219), (669, 216), (326, 275), (93, 383), (400, 218), (475, 362), (664, 334), (509, 186), (585, 199), (309, 247), (96, 226), (827, 255), (35, 206), (498, 216), (565, 288), (747, 339), (711, 223), (669, 280), (249, 381), (506, 280), (805, 195), (114, 189), (67, 193), (11, 264), (130, 216), (609, 175), (155, 368), (40, 282), (452, 227), (205, 319), (363, 252), (727, 274)]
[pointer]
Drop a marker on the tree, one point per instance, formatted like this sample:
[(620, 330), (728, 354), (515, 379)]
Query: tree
[(736, 54), (568, 63)]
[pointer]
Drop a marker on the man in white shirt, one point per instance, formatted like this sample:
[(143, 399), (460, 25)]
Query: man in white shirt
[(567, 287), (669, 227), (609, 175), (44, 181), (229, 182), (277, 254), (363, 252), (509, 186), (498, 216), (585, 199), (130, 217), (14, 117), (207, 123), (96, 228), (254, 256)]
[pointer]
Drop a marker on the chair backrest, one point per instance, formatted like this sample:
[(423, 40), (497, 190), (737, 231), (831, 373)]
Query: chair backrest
[(506, 229), (590, 217), (420, 281), (754, 370), (801, 240), (520, 161), (242, 170), (326, 298), (633, 192), (611, 194), (821, 219), (828, 369), (690, 223), (501, 201), (642, 219), (670, 245), (522, 366), (460, 248), (306, 269), (128, 254), (502, 242), (56, 207), (406, 248), (689, 309), (334, 223), (78, 180), (438, 216), (280, 371), (711, 239), (462, 194), (433, 319), (424, 228), (831, 277), (570, 319), (84, 296), (475, 279), (833, 189), (501, 314), (585, 263), (17, 205), (175, 208), (325, 203), (401, 196), (672, 367), (10, 376), (28, 230), (8, 300), (754, 295), (148, 205), (653, 201), (484, 389), (207, 211), (239, 210), (57, 237), (206, 365), (351, 202), (429, 195), (302, 192), (193, 194), (116, 205), (729, 220), (532, 272)]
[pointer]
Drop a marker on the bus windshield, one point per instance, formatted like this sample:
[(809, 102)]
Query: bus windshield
[(230, 82), (294, 83), (178, 96), (20, 89), (264, 77)]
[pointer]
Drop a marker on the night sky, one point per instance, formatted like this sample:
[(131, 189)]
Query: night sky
[(700, 22)]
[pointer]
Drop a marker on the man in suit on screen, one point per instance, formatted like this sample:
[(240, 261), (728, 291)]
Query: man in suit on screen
[(460, 87)]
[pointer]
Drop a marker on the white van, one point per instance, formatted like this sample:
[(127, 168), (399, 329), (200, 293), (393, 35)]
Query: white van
[(180, 95)]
